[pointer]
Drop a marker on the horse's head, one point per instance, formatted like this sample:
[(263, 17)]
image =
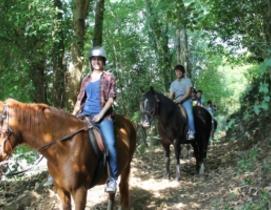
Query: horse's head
[(148, 107), (7, 135)]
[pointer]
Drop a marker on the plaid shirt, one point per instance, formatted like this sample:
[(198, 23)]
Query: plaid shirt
[(107, 90)]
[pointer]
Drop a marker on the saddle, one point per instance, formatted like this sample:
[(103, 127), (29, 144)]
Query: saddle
[(96, 140), (95, 137), (184, 114)]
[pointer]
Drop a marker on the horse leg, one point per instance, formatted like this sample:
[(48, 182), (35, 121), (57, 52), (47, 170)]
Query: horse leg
[(167, 159), (111, 200), (79, 197), (177, 149), (65, 198), (198, 153), (203, 153), (124, 188)]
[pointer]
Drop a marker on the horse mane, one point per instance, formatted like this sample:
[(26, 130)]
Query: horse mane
[(171, 107), (35, 114), (163, 98)]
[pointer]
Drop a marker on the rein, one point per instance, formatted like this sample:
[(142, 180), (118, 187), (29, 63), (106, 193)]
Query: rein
[(64, 138), (27, 169), (5, 129), (47, 146)]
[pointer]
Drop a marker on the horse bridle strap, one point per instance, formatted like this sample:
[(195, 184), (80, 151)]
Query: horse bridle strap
[(5, 129), (64, 138)]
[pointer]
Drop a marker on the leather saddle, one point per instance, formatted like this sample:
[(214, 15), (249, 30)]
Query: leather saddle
[(184, 114), (96, 140)]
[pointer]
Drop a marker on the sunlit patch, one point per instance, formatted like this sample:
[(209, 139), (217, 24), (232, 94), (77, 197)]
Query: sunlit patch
[(47, 137), (156, 185), (123, 131), (123, 134)]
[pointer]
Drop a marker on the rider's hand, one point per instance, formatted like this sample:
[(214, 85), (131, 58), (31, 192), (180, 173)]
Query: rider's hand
[(97, 117)]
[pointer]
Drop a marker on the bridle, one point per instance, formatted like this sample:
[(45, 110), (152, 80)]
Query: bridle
[(5, 130), (151, 114)]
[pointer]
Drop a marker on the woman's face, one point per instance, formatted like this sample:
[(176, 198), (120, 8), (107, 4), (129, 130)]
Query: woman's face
[(97, 63)]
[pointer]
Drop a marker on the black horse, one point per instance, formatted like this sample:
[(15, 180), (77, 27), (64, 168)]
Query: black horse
[(172, 126)]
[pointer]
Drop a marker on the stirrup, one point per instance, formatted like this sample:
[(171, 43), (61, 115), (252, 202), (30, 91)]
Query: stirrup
[(190, 136), (111, 186)]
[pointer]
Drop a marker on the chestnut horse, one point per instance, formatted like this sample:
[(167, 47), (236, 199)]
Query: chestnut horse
[(63, 140), (172, 128)]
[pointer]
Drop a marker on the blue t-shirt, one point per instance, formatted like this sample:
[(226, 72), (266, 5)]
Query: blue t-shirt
[(92, 105)]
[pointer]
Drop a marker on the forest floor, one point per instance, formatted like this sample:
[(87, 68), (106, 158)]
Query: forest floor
[(225, 184)]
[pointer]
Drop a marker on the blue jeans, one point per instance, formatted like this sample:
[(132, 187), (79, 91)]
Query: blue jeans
[(107, 129), (187, 105)]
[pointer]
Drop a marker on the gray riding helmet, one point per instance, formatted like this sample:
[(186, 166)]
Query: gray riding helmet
[(97, 52)]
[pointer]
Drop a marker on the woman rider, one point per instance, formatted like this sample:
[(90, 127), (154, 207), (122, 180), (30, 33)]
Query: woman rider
[(180, 92), (95, 99)]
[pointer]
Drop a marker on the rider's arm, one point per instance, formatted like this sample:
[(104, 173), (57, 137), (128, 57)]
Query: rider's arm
[(106, 107), (187, 95), (76, 108), (171, 95)]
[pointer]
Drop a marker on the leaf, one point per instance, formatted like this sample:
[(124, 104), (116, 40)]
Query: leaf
[(265, 106), (264, 88), (256, 109), (267, 98)]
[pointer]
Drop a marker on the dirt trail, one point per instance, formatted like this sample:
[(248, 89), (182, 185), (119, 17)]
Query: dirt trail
[(219, 188)]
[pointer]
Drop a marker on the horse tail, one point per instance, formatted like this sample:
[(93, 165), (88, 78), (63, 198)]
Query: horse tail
[(124, 187)]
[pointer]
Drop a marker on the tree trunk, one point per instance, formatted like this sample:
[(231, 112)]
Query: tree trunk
[(58, 90), (182, 49), (80, 12), (98, 27), (267, 26), (159, 38), (37, 75)]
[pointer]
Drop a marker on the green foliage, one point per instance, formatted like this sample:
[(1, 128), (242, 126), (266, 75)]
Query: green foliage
[(230, 26), (24, 152), (247, 160), (26, 40), (256, 99), (263, 202)]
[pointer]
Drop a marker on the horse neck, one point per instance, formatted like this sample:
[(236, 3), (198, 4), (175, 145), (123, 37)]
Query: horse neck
[(40, 133), (166, 109)]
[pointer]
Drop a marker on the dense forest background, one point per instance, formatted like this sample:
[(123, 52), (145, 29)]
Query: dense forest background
[(225, 46)]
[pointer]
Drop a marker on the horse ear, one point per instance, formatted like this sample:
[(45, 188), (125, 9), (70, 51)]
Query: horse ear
[(151, 89)]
